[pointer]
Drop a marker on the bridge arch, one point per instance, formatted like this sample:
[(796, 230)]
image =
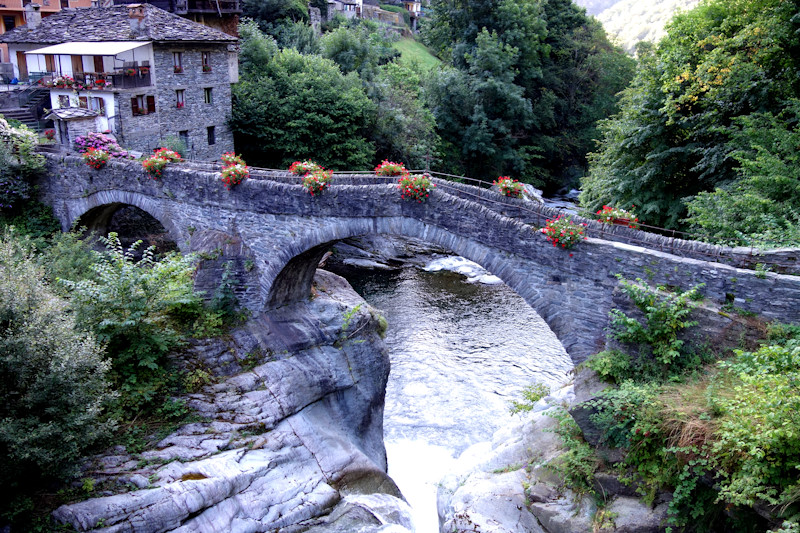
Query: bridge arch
[(96, 210), (288, 278)]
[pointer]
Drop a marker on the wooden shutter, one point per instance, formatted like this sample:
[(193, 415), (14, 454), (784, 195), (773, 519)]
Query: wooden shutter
[(134, 106), (50, 62), (83, 102), (98, 64), (77, 65), (151, 104)]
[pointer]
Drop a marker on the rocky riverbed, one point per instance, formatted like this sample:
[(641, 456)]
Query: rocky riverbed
[(291, 439)]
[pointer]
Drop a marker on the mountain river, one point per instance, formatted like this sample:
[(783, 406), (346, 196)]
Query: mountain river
[(462, 345)]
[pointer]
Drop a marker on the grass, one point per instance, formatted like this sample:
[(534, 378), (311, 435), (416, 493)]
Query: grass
[(412, 51)]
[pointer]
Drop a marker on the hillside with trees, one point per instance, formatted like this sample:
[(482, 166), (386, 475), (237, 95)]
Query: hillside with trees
[(708, 131)]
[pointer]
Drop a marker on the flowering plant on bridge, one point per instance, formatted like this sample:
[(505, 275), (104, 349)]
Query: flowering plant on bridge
[(99, 141), (509, 187), (154, 166), (615, 215), (317, 181), (233, 175), (563, 232), (96, 159), (304, 167), (416, 187), (170, 155), (390, 168), (230, 158)]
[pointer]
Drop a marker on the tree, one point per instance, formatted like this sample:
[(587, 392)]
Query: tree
[(538, 75), (676, 135), (52, 377), (295, 107)]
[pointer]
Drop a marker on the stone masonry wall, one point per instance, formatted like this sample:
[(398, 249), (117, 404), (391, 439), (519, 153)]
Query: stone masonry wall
[(284, 232), (196, 116), (145, 132)]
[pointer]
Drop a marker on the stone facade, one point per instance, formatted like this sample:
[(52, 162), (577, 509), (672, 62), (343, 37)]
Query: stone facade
[(191, 121), (285, 232)]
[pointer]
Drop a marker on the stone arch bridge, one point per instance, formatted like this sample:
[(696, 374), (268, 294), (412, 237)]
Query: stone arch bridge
[(276, 233)]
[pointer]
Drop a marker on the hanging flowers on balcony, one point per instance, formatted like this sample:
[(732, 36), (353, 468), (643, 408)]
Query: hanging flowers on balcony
[(180, 105), (509, 187), (144, 71), (130, 71), (563, 232), (304, 167), (177, 69), (100, 83), (206, 68)]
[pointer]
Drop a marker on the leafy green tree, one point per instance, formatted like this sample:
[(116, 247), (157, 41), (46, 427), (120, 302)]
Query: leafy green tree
[(676, 135), (295, 107), (762, 207), (273, 10), (53, 379), (405, 129), (360, 49), (535, 78)]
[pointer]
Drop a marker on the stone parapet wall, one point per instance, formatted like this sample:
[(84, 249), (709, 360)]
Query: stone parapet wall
[(283, 231)]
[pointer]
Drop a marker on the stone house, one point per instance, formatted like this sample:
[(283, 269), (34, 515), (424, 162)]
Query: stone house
[(137, 71)]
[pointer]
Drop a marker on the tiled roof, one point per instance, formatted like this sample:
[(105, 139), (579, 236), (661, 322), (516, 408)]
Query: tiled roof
[(113, 24), (71, 113)]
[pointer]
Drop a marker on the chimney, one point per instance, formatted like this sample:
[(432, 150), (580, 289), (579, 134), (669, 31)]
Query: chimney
[(33, 17), (136, 17)]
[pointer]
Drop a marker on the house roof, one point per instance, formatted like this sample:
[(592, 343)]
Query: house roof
[(114, 24), (71, 113)]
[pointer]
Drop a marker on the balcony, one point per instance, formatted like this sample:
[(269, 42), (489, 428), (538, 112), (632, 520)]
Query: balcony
[(127, 78)]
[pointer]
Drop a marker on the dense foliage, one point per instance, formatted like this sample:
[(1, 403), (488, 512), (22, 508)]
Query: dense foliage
[(135, 307), (703, 113), (53, 379), (527, 82), (722, 436), (289, 106)]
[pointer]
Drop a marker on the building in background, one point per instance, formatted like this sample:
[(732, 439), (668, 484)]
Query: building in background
[(134, 70)]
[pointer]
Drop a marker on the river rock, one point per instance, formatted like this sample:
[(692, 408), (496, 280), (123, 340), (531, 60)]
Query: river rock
[(505, 486), (380, 252), (295, 438)]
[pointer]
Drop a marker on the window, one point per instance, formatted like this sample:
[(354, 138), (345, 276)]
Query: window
[(207, 96), (177, 62), (9, 22), (63, 100), (180, 98), (98, 104), (206, 58), (212, 135), (83, 102), (184, 137), (64, 4), (143, 105)]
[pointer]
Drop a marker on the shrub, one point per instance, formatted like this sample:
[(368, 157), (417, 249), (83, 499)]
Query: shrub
[(561, 231), (136, 309), (666, 314), (100, 141), (509, 187), (530, 395), (304, 167), (233, 175), (96, 159), (389, 168), (52, 377), (175, 144), (317, 181), (417, 187)]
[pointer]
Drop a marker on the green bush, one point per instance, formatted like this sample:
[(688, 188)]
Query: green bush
[(52, 377), (138, 309), (530, 395)]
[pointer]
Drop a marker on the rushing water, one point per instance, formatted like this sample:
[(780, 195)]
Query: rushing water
[(462, 345)]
